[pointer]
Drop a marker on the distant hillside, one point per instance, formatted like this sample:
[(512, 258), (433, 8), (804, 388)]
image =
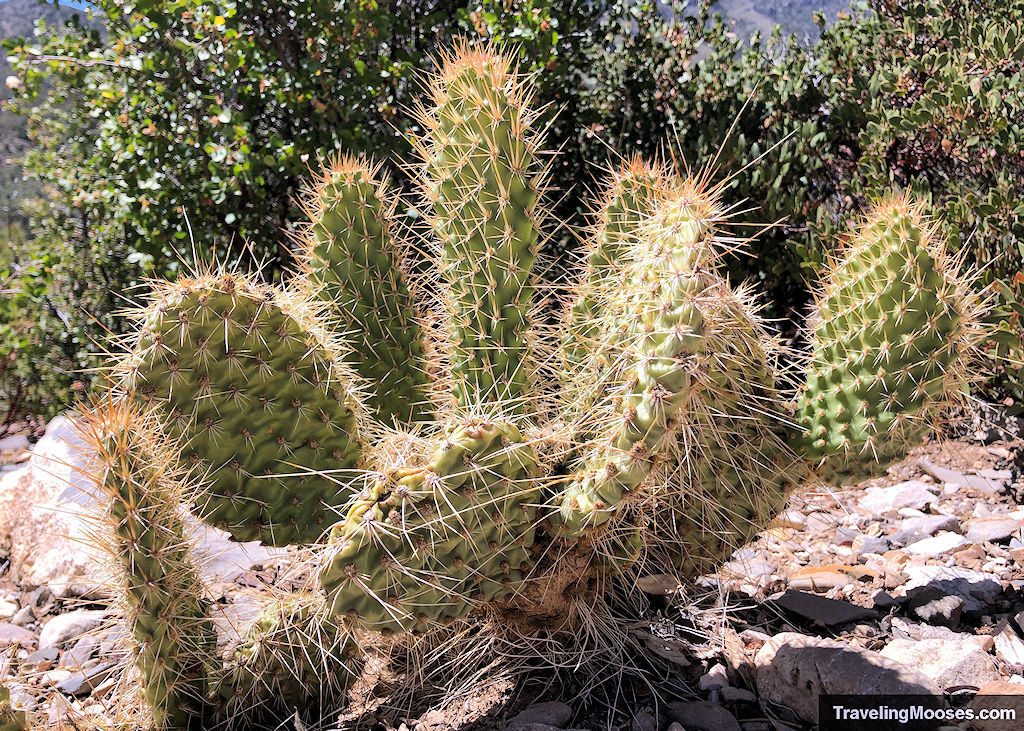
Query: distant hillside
[(795, 16)]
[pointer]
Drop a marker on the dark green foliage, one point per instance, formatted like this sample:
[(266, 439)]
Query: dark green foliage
[(1005, 346)]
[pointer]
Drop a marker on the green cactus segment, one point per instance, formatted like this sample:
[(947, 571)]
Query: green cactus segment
[(294, 659), (888, 346), (163, 594), (630, 197), (352, 264), (662, 336), (243, 377), (10, 719), (483, 178), (427, 544)]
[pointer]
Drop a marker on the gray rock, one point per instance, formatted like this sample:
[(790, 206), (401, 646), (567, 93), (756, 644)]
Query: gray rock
[(715, 677), (643, 721), (36, 660), (978, 589), (702, 716), (822, 610), (947, 662), (793, 670), (14, 444), (912, 494), (80, 654), (982, 483), (904, 630), (872, 544), (883, 600), (730, 694), (552, 713), (24, 616), (937, 545), (928, 525), (934, 606), (82, 683), (71, 626), (992, 529), (12, 634)]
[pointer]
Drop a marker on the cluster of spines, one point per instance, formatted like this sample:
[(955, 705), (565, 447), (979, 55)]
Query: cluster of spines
[(247, 379), (482, 176), (142, 487), (891, 336), (354, 263)]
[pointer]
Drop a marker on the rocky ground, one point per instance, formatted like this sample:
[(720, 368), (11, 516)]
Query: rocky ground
[(907, 583)]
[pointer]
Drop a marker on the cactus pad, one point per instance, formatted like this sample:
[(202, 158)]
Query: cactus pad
[(243, 376)]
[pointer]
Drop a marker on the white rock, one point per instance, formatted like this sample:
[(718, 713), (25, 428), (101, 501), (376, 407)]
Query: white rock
[(947, 662), (937, 545), (978, 589), (912, 494), (7, 610), (70, 626), (794, 669), (48, 518), (994, 528), (44, 518)]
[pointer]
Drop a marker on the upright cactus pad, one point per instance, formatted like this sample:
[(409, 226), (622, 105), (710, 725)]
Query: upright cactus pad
[(482, 177), (354, 265), (427, 543), (162, 591), (894, 325), (244, 376), (295, 660)]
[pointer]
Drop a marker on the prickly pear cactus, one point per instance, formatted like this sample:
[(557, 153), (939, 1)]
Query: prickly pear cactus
[(890, 341), (250, 382), (648, 432)]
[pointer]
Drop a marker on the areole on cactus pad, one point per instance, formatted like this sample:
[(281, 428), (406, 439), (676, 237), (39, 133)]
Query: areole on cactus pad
[(648, 432)]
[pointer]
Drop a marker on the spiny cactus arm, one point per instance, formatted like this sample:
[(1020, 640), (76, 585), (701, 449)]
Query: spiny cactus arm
[(246, 378), (662, 330), (483, 179), (427, 544), (631, 194), (353, 263), (162, 591), (896, 324), (293, 659)]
